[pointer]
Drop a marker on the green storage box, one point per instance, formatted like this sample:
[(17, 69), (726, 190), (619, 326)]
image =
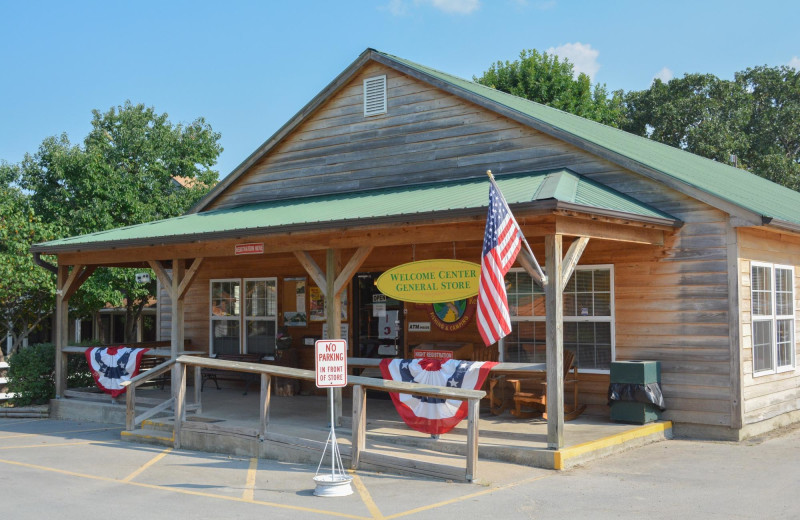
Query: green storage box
[(636, 372), (637, 413)]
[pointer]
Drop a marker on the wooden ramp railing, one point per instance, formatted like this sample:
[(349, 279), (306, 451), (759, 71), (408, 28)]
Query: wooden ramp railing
[(131, 400), (359, 452)]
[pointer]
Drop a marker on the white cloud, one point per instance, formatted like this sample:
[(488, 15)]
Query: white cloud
[(397, 7), (401, 7), (583, 57), (453, 6), (665, 74), (794, 63)]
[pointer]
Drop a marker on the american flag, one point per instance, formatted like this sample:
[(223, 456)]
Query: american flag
[(501, 243)]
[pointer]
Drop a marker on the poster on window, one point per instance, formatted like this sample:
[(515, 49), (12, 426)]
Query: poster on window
[(388, 325), (317, 304)]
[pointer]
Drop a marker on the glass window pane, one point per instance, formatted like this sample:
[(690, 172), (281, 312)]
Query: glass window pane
[(761, 278), (602, 280), (584, 304), (261, 337), (602, 304), (569, 304), (762, 346), (583, 281), (784, 342), (226, 336)]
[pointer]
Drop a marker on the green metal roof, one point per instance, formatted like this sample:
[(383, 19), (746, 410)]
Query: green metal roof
[(411, 203), (734, 185)]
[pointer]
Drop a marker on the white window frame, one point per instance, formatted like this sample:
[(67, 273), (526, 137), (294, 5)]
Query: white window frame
[(214, 318), (772, 318), (246, 318), (579, 319)]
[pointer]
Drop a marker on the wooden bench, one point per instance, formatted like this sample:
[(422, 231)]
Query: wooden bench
[(150, 362), (215, 374)]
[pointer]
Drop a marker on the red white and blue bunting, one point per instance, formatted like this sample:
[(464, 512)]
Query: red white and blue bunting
[(111, 366), (429, 414)]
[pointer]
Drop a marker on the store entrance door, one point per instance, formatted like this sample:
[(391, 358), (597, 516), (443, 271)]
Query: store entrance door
[(378, 319)]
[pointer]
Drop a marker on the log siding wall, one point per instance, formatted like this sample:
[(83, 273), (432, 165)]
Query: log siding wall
[(671, 301), (770, 395)]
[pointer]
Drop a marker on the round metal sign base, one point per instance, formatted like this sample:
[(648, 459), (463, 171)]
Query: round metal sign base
[(333, 486)]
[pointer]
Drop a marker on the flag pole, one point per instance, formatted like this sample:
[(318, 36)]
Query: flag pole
[(542, 277)]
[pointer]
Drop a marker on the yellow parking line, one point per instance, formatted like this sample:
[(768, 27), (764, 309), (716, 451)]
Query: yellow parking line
[(185, 491), (250, 483), (58, 433), (465, 497), (43, 445), (366, 497), (147, 465)]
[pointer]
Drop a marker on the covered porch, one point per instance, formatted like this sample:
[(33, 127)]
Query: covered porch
[(565, 217)]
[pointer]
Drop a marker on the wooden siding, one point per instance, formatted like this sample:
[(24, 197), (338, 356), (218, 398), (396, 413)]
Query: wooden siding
[(769, 395), (672, 301)]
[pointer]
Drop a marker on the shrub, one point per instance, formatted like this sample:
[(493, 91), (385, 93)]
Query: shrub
[(31, 374)]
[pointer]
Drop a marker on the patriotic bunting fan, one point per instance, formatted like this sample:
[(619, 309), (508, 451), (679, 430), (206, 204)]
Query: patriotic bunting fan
[(111, 366), (429, 414)]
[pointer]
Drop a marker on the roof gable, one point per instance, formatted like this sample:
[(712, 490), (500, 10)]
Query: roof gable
[(731, 189)]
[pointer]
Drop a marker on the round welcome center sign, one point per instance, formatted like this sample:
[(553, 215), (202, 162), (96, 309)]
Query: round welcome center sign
[(431, 281)]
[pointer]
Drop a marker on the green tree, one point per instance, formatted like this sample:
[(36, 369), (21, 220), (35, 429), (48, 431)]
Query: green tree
[(548, 80), (26, 290), (135, 166), (774, 124), (699, 113)]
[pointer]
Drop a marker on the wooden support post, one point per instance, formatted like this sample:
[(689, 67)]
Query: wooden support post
[(61, 332), (176, 332), (359, 440), (198, 384), (130, 408), (555, 341), (264, 405), (180, 402), (473, 412)]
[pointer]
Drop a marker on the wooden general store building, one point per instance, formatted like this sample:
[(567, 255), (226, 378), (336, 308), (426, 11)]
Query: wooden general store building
[(676, 258)]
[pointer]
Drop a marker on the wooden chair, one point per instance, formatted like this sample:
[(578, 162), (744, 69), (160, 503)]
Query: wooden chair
[(529, 396)]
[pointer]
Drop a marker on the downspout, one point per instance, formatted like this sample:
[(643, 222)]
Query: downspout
[(37, 259)]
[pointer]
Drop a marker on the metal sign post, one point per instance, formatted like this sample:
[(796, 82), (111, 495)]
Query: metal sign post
[(330, 362)]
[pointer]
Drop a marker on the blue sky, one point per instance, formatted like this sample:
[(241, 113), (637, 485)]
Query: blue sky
[(247, 67)]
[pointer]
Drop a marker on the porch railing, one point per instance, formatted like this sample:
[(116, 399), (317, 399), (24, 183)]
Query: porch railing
[(131, 399), (359, 453)]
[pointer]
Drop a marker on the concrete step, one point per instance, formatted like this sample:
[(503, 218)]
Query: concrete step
[(161, 425), (149, 436)]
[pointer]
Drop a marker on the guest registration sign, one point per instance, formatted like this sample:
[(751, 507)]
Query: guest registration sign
[(331, 362)]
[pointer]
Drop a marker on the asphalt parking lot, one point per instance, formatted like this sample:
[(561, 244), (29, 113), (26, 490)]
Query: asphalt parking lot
[(74, 470)]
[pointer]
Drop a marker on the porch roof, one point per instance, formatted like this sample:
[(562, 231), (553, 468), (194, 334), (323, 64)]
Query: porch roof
[(549, 190)]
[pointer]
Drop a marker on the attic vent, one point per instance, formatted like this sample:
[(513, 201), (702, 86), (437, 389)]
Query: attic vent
[(375, 96)]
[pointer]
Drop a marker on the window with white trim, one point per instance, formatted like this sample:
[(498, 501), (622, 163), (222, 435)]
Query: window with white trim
[(225, 316), (260, 315), (772, 306), (258, 318), (588, 318)]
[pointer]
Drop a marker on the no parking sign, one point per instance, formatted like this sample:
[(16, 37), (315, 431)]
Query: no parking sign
[(331, 362)]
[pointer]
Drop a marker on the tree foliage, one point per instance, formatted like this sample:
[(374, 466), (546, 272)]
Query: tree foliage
[(551, 81), (755, 117), (26, 290), (134, 166)]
